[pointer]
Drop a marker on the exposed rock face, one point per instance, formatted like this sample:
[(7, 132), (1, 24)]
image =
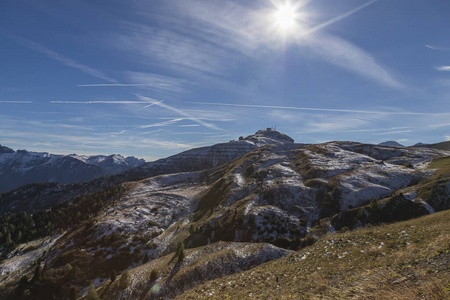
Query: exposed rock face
[(21, 167)]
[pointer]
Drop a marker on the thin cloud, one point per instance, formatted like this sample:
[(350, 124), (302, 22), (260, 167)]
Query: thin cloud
[(322, 123), (160, 124), (152, 81), (62, 59), (337, 19), (394, 132), (147, 106), (372, 130), (344, 123), (437, 126), (224, 24), (21, 133), (443, 68), (437, 48), (180, 112), (97, 102), (346, 55), (324, 109), (172, 49), (112, 84)]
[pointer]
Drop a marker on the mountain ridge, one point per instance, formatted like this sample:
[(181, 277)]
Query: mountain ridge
[(22, 167), (284, 194)]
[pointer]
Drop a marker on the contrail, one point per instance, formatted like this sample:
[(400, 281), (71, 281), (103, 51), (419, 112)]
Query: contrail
[(338, 18), (324, 109)]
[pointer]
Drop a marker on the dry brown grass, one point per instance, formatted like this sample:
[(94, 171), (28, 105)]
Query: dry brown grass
[(406, 260)]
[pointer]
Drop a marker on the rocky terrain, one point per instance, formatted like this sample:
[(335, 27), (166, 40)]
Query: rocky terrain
[(171, 225), (32, 197), (22, 167)]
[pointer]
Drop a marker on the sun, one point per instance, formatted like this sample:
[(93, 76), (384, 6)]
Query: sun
[(285, 17)]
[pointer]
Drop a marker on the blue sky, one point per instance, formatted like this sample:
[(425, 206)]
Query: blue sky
[(154, 78)]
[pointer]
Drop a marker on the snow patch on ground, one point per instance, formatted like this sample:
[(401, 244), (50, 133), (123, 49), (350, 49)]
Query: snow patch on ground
[(20, 259), (427, 206), (153, 205)]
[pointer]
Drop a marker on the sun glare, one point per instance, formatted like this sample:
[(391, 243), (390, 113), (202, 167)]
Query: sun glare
[(286, 17)]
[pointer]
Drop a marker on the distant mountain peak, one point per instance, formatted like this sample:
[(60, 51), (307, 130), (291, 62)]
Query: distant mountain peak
[(4, 149), (23, 167), (269, 136), (391, 144), (420, 144)]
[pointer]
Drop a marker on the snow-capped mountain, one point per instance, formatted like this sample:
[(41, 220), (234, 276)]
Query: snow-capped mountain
[(23, 167)]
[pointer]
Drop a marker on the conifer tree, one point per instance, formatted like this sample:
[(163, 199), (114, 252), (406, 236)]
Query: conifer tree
[(74, 293), (123, 281), (37, 273), (113, 275), (154, 275), (180, 252), (92, 293)]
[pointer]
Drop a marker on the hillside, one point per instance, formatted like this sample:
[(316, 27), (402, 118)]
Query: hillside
[(274, 199), (441, 146), (407, 260), (33, 197)]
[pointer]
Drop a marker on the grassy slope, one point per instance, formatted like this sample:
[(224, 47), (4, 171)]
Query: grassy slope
[(405, 260), (199, 265), (441, 146)]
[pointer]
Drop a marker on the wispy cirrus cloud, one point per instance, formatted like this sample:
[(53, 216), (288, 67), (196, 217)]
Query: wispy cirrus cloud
[(438, 48), (171, 49), (153, 81), (148, 102), (112, 84), (405, 129), (97, 102), (158, 82), (179, 112), (62, 59), (160, 124), (344, 54), (221, 24), (336, 19), (207, 38), (322, 123), (325, 109), (443, 68), (20, 133), (394, 132)]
